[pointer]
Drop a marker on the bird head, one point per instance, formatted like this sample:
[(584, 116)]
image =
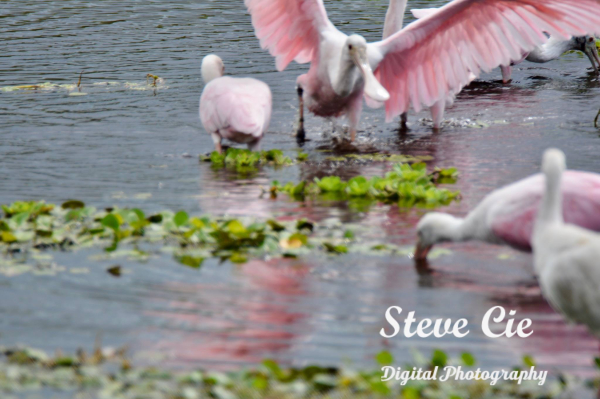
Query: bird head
[(356, 48), (591, 50), (212, 67), (434, 228), (553, 162)]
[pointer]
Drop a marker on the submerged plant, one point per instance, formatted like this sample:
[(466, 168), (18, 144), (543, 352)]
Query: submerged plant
[(244, 160), (407, 185)]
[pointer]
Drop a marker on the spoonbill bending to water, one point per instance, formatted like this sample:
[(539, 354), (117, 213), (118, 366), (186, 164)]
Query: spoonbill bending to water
[(507, 215), (566, 257), (237, 109), (421, 64), (553, 49)]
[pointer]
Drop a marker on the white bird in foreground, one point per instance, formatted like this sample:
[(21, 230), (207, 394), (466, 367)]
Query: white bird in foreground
[(567, 257), (506, 216), (418, 66), (237, 109)]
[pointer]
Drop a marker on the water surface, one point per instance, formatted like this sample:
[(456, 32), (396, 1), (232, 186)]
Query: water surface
[(127, 147)]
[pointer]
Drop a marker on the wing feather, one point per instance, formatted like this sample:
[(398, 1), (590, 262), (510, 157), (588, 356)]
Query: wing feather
[(471, 36)]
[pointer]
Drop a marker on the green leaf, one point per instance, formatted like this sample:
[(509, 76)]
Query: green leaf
[(439, 358), (180, 218), (384, 358), (237, 228), (468, 359), (528, 361), (72, 204), (275, 225), (338, 249), (155, 218), (191, 261), (114, 271), (111, 222), (8, 237), (330, 184), (238, 258)]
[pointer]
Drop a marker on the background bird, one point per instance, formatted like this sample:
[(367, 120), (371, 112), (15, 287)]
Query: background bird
[(237, 109), (418, 66), (553, 49), (507, 215)]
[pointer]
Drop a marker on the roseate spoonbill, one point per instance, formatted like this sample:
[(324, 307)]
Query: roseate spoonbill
[(549, 51), (421, 64), (507, 215), (553, 49), (394, 19), (566, 256), (237, 109)]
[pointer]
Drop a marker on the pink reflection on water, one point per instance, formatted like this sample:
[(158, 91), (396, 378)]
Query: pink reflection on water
[(214, 326)]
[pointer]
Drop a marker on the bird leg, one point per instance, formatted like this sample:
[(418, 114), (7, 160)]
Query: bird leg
[(254, 145), (354, 117), (437, 113), (217, 140), (300, 133), (403, 120), (506, 73)]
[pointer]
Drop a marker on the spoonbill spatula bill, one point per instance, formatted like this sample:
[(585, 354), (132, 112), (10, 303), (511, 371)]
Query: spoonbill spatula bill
[(507, 215), (419, 65), (237, 109), (566, 257)]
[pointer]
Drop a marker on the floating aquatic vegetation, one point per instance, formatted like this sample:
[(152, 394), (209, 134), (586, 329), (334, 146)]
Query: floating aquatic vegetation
[(74, 89), (243, 160), (407, 185), (28, 230), (108, 373), (379, 157)]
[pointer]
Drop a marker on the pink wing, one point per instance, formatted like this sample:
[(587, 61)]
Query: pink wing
[(434, 55), (289, 29), (581, 207)]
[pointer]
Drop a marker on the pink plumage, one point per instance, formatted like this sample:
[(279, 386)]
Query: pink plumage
[(507, 215), (423, 64), (432, 56), (512, 210), (237, 109)]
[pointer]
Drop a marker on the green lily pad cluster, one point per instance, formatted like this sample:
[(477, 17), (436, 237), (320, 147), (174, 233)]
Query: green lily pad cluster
[(30, 229), (243, 160), (379, 157), (107, 373), (408, 185)]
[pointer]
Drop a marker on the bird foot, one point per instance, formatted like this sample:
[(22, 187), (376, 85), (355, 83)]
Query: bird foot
[(300, 136)]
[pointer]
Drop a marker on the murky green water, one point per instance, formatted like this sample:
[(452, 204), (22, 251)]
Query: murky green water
[(127, 147)]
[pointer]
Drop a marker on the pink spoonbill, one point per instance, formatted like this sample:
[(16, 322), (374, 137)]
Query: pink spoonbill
[(236, 109), (549, 51), (507, 215), (566, 256), (394, 19), (418, 66)]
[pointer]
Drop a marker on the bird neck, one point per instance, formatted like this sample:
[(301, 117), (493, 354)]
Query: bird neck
[(552, 49), (551, 209), (346, 76), (454, 230), (394, 18)]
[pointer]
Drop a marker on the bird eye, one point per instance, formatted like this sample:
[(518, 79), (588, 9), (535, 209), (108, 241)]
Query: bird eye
[(349, 47), (591, 39)]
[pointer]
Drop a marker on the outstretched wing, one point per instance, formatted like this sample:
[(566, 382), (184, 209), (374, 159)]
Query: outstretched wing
[(290, 29), (433, 56)]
